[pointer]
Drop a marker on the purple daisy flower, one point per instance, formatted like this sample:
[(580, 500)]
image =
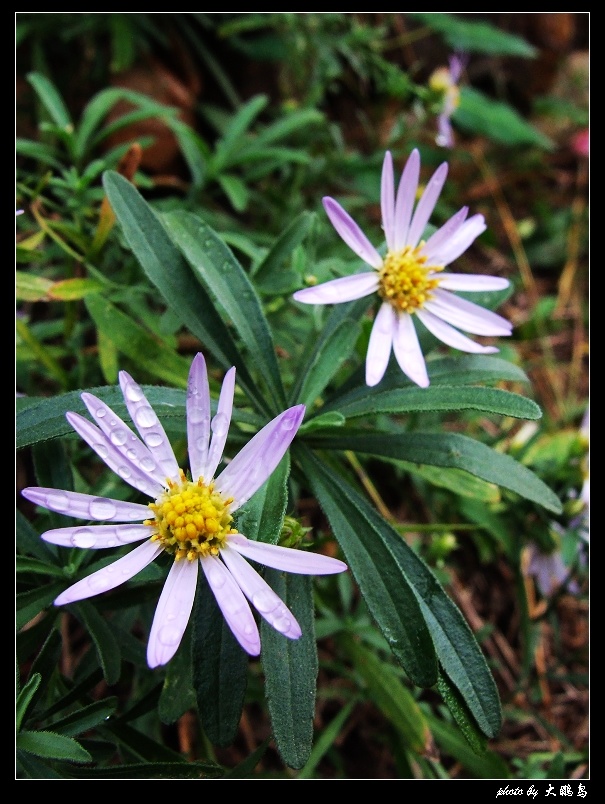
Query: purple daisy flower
[(190, 519), (410, 279)]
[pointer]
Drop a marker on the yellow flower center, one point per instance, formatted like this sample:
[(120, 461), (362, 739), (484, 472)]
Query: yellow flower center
[(404, 280), (192, 519)]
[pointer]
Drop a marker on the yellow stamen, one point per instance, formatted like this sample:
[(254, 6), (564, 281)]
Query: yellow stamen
[(191, 519), (404, 279)]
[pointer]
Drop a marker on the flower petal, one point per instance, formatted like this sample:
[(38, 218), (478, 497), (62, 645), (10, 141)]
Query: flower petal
[(443, 234), (198, 416), (406, 195), (472, 282), (301, 562), (233, 604), (172, 612), (268, 604), (379, 346), (220, 424), (426, 205), (256, 461), (387, 200), (467, 315), (86, 506), (149, 427), (408, 352), (95, 537), (460, 240), (112, 575), (121, 436), (351, 233), (343, 289), (451, 336), (114, 456)]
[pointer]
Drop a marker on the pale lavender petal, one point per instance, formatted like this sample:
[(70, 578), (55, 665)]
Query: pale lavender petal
[(86, 506), (114, 456), (471, 282), (426, 205), (458, 243), (96, 537), (112, 575), (233, 604), (408, 352), (445, 134), (257, 460), (379, 347), (220, 424), (387, 200), (198, 416), (351, 233), (467, 315), (451, 336), (149, 427), (172, 612), (343, 289), (287, 559), (443, 234), (122, 437), (268, 604), (406, 196)]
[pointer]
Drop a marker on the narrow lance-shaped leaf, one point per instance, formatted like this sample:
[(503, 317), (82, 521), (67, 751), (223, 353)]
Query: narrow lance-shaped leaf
[(221, 273), (454, 642), (168, 270), (369, 554), (445, 449)]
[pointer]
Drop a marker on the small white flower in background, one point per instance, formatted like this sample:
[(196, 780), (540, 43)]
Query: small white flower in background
[(189, 519), (410, 279)]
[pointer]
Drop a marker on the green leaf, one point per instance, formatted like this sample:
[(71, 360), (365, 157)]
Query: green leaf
[(479, 114), (451, 742), (456, 480), (445, 449), (213, 262), (270, 272), (177, 694), (290, 667), (262, 517), (235, 190), (159, 359), (52, 746), (171, 274), (34, 565), (352, 517), (363, 402), (230, 143), (86, 717), (25, 698), (219, 667), (368, 550), (326, 739), (52, 100), (474, 37), (100, 631), (74, 289), (389, 694), (31, 288), (462, 716), (32, 602)]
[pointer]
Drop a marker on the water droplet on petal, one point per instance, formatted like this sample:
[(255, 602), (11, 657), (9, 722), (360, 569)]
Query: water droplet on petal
[(133, 392), (153, 439), (119, 437), (197, 415), (99, 583), (83, 538), (147, 464), (101, 450), (169, 635), (220, 424), (124, 471), (102, 508), (264, 601), (56, 500), (287, 423), (100, 412), (145, 417)]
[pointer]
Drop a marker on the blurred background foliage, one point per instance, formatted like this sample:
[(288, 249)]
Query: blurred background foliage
[(249, 119)]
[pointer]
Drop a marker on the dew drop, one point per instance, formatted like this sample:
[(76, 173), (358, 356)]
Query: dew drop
[(153, 439), (220, 424), (197, 415), (147, 464), (169, 635), (99, 583), (83, 538), (133, 392), (125, 472), (287, 422), (111, 543), (101, 450), (282, 624), (264, 602), (119, 437), (56, 501), (100, 412), (145, 417), (102, 508)]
